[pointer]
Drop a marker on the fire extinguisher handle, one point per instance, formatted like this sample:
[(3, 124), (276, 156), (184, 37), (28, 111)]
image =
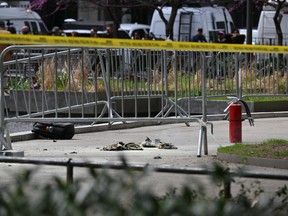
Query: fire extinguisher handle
[(247, 110), (234, 100), (249, 116)]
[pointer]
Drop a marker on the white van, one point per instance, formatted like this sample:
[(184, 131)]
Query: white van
[(131, 28), (18, 17), (266, 28), (188, 20)]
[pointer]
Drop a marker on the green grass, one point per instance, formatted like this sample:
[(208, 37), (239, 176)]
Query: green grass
[(273, 148), (253, 99), (265, 99)]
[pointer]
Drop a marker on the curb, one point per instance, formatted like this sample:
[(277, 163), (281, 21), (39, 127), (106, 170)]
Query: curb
[(28, 135), (262, 162), (24, 136)]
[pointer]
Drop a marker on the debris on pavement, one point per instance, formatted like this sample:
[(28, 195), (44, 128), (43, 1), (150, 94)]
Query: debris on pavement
[(120, 146), (148, 143), (166, 146)]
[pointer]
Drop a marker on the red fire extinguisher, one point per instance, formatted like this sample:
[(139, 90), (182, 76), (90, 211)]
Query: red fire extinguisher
[(235, 123)]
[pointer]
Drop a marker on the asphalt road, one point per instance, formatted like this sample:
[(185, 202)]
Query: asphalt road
[(89, 147)]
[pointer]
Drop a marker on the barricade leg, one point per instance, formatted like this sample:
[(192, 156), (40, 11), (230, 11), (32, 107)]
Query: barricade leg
[(3, 142), (202, 141)]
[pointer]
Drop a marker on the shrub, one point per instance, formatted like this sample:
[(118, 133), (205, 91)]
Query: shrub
[(106, 194)]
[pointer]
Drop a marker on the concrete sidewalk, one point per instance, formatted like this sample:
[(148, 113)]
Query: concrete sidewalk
[(88, 147)]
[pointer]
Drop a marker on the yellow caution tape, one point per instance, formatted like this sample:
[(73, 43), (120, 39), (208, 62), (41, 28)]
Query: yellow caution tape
[(136, 44)]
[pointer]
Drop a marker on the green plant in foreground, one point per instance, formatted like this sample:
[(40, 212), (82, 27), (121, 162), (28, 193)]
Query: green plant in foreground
[(103, 192)]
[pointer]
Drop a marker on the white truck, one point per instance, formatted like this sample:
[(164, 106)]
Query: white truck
[(19, 16), (188, 20), (266, 28)]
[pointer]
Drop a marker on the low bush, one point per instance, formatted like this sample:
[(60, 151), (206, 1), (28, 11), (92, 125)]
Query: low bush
[(106, 194)]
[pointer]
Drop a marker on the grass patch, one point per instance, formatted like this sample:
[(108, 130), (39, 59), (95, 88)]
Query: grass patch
[(265, 99), (252, 99), (272, 148)]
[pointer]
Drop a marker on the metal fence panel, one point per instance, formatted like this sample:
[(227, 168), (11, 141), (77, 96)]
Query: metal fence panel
[(49, 83)]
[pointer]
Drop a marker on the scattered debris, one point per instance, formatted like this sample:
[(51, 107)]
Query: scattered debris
[(166, 146), (148, 143), (132, 146), (158, 144), (114, 147), (120, 146)]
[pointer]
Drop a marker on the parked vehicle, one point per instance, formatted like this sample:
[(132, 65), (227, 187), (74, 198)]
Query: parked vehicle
[(267, 30), (188, 20), (84, 27), (80, 32), (125, 31), (19, 17), (132, 28)]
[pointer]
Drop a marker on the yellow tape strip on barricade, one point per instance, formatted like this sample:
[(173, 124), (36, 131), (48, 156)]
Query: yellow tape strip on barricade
[(137, 44)]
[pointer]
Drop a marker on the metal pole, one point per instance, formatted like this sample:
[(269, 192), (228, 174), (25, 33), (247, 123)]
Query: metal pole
[(203, 128), (3, 141), (162, 169), (249, 22), (238, 75), (106, 77), (204, 102), (69, 175), (1, 103), (227, 189)]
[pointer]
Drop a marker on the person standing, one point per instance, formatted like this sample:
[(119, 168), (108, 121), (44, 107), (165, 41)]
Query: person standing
[(56, 31), (8, 55), (109, 32), (196, 57), (236, 37), (199, 37), (136, 36), (12, 30), (25, 30), (222, 37), (93, 32), (74, 34)]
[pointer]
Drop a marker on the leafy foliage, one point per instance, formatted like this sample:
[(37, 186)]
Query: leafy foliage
[(104, 193)]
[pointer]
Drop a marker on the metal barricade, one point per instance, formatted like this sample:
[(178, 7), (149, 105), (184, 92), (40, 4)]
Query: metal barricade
[(64, 84), (91, 85)]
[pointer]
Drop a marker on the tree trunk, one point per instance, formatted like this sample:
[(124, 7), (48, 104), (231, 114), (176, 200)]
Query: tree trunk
[(277, 21), (170, 24), (175, 4)]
